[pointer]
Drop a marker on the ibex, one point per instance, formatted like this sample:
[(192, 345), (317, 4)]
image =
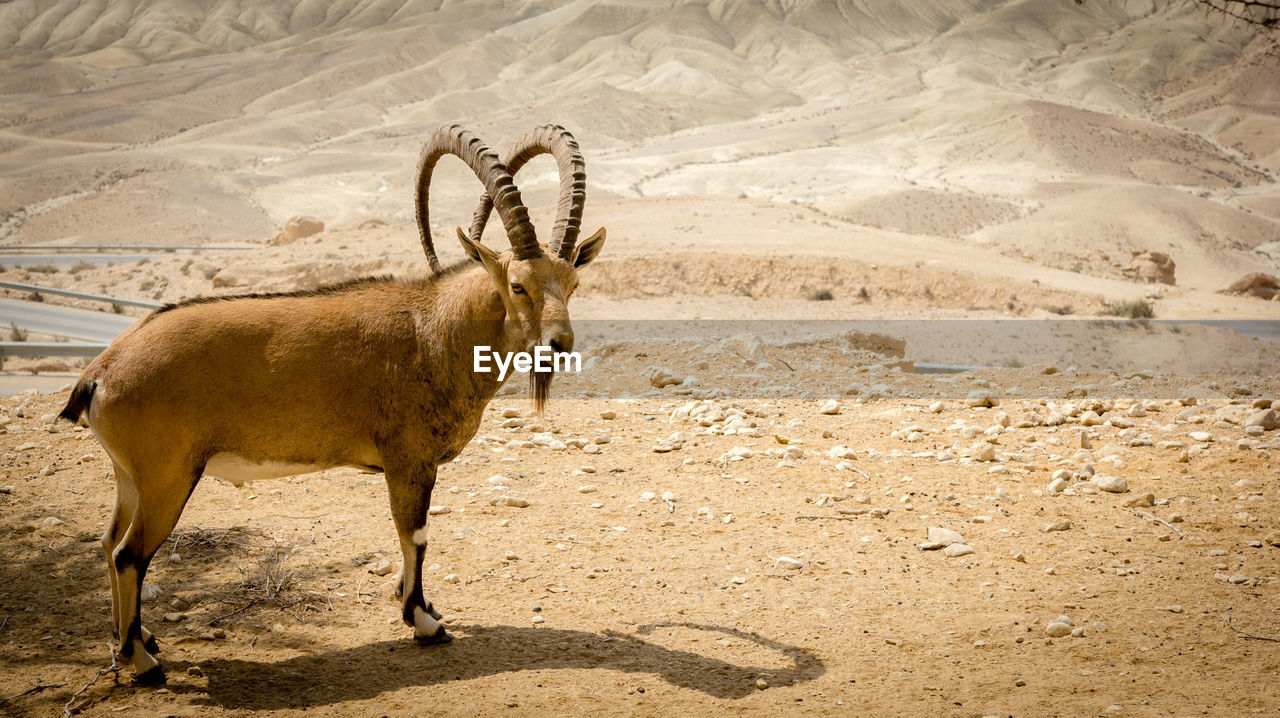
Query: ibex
[(374, 373)]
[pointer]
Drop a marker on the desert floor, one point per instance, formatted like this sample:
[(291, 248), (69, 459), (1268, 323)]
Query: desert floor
[(789, 579)]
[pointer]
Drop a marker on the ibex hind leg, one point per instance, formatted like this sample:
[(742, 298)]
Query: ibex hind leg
[(159, 505), (126, 505), (410, 494)]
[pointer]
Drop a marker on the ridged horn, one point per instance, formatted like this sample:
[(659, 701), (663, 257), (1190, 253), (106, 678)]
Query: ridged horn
[(456, 140), (558, 142)]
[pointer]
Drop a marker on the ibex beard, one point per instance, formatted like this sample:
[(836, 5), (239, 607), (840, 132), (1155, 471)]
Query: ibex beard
[(541, 364)]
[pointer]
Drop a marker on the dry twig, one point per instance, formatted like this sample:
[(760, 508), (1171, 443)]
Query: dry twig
[(33, 689), (225, 616), (1254, 636), (1157, 519), (114, 669)]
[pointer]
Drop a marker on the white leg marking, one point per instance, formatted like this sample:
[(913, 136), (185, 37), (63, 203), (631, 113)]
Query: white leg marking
[(142, 661), (423, 623), (420, 536)]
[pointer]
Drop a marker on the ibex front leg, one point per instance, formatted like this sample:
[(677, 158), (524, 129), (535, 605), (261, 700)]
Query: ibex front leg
[(410, 492)]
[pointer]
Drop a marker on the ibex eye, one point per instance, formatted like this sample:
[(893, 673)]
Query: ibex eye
[(515, 287)]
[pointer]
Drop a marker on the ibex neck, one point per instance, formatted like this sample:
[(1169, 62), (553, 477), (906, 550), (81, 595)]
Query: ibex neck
[(469, 311)]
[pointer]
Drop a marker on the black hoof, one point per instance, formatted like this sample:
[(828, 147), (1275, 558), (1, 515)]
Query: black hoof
[(152, 677), (152, 647), (440, 636), (431, 611)]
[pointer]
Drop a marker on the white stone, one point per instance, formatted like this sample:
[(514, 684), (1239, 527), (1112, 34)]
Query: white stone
[(1057, 629), (941, 538), (981, 397), (1267, 420), (1111, 484), (840, 452)]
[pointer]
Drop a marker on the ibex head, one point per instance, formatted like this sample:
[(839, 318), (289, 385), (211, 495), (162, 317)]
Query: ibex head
[(535, 291), (533, 283)]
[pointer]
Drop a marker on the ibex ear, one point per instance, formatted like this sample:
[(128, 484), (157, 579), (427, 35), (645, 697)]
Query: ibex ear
[(482, 254), (492, 264), (589, 248)]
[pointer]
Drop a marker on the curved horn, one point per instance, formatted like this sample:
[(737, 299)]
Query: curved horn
[(557, 141), (455, 140)]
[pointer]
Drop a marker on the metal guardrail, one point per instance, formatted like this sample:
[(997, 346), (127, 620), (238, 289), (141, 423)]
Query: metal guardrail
[(19, 286), (924, 368), (114, 247), (50, 349)]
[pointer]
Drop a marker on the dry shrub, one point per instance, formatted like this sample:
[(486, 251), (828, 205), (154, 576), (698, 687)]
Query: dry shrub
[(1133, 309)]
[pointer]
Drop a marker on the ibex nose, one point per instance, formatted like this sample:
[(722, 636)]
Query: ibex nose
[(561, 342)]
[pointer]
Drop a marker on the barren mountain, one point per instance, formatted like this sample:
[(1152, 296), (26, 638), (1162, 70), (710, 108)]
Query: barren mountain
[(1062, 134)]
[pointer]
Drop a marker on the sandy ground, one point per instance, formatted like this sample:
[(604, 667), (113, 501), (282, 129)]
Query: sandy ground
[(603, 597)]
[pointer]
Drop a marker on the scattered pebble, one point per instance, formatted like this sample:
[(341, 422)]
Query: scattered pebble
[(984, 452), (981, 397), (1141, 501), (1057, 629), (941, 538), (1267, 419), (1111, 484)]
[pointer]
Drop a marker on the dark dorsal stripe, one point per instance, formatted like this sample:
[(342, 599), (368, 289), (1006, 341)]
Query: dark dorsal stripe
[(327, 290)]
